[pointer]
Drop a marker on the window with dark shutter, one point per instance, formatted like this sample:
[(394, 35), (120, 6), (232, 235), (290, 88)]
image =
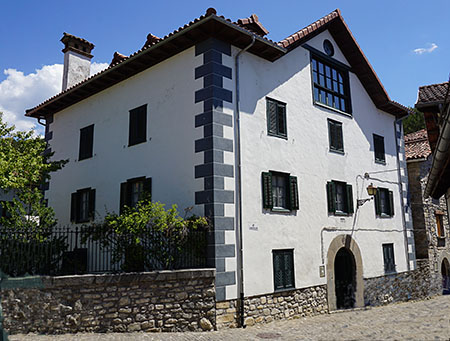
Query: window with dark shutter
[(378, 146), (384, 202), (276, 118), (279, 191), (82, 207), (339, 198), (440, 224), (388, 257), (138, 125), (283, 269), (335, 136), (86, 142), (134, 190)]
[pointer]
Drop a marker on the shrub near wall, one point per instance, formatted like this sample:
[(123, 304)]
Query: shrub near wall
[(155, 301)]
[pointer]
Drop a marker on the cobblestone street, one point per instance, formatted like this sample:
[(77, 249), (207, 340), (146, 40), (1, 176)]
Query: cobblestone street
[(421, 320)]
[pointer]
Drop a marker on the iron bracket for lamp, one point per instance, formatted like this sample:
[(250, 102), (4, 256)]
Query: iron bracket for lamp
[(361, 202)]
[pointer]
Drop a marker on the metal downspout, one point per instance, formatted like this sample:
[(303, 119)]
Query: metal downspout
[(400, 189), (238, 208)]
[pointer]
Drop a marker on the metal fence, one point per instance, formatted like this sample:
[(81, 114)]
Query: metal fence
[(65, 251)]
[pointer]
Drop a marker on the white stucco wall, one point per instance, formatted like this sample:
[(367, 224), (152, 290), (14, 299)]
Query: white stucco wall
[(167, 156), (305, 154)]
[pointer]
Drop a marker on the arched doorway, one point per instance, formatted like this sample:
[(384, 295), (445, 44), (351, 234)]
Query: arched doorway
[(445, 271), (345, 285), (344, 279)]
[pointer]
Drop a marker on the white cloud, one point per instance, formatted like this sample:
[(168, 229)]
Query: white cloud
[(422, 50), (19, 92)]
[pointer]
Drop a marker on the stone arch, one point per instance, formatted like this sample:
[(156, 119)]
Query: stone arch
[(339, 242)]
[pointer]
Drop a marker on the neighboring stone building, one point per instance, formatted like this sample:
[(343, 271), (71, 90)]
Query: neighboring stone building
[(434, 101), (430, 216), (275, 142)]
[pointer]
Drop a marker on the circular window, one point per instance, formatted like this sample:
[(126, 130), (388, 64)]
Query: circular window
[(328, 47)]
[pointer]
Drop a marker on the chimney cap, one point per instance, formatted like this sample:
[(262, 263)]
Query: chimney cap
[(76, 44)]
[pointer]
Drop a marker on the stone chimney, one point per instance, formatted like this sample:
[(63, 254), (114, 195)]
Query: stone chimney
[(77, 60)]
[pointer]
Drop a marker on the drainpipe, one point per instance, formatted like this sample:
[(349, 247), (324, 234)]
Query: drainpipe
[(400, 189), (238, 208)]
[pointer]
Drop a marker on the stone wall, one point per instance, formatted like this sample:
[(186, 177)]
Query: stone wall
[(275, 306), (155, 301), (417, 284)]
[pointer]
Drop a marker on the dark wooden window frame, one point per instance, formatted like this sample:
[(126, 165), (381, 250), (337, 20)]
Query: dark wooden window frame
[(291, 200), (389, 258), (380, 155), (125, 190), (335, 136), (276, 125), (332, 198), (283, 280), (86, 142), (389, 203), (75, 207), (340, 69), (137, 132), (440, 230)]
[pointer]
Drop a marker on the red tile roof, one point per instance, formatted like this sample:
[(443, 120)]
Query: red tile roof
[(416, 145), (155, 50), (432, 93)]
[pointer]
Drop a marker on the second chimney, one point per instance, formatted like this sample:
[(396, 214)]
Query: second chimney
[(77, 60)]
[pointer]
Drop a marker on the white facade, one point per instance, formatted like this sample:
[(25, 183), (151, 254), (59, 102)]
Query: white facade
[(167, 156), (175, 97)]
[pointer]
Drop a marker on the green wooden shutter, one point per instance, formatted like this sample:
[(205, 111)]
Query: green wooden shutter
[(148, 188), (349, 199), (92, 203), (282, 128), (331, 197), (271, 117), (267, 190), (391, 203), (288, 280), (339, 138), (73, 207), (278, 270), (293, 193), (377, 203), (123, 196)]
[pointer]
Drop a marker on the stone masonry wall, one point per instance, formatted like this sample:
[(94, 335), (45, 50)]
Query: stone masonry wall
[(275, 306), (417, 284), (155, 301)]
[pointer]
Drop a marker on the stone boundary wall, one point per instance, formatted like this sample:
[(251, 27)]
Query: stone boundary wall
[(154, 301), (413, 285), (274, 306)]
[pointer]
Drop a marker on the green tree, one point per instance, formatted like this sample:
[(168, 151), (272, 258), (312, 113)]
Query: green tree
[(23, 168), (414, 122), (148, 236)]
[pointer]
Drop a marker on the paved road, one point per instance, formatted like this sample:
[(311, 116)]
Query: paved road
[(421, 320)]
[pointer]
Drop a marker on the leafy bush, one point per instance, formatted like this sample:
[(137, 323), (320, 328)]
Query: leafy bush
[(149, 237)]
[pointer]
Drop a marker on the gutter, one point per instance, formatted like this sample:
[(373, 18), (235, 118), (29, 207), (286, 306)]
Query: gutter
[(238, 182)]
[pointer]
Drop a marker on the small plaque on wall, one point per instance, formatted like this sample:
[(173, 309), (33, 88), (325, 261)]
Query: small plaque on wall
[(253, 227), (322, 270)]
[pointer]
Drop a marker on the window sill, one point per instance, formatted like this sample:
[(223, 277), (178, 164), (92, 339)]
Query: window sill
[(85, 158), (279, 209), (319, 104), (135, 144), (380, 162), (341, 214), (276, 135), (384, 216), (335, 151), (284, 289)]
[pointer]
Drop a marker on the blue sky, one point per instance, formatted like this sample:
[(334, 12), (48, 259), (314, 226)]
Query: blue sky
[(388, 32)]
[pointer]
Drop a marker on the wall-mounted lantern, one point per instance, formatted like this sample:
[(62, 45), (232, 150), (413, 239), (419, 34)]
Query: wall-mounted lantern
[(372, 191)]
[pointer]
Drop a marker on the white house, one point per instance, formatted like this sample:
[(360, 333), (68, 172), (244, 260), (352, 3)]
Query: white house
[(277, 142)]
